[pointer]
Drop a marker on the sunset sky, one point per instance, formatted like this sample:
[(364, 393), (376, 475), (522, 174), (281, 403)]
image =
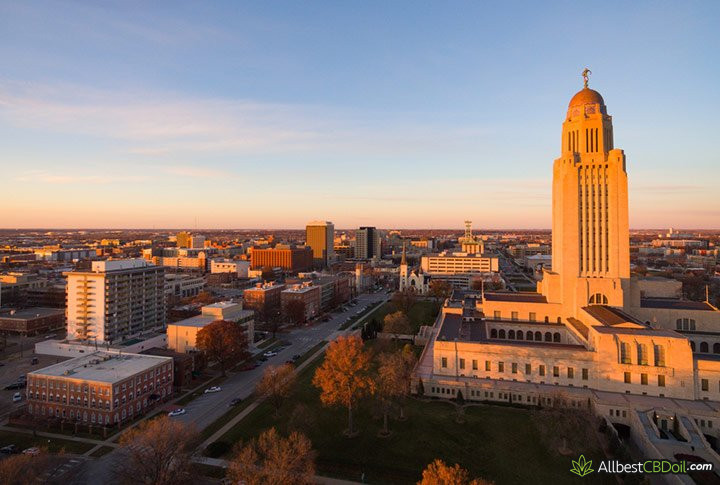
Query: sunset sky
[(393, 114)]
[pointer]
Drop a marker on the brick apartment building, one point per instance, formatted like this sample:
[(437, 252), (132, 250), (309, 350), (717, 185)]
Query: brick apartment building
[(288, 258)]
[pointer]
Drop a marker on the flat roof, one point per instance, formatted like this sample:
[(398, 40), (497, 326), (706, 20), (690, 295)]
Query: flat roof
[(520, 296), (610, 316), (102, 366), (675, 304), (30, 313)]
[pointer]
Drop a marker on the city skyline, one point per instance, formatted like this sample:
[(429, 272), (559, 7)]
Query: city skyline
[(204, 116)]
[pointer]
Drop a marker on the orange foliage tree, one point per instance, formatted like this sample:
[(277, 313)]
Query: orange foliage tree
[(438, 473), (276, 384), (344, 376), (224, 342)]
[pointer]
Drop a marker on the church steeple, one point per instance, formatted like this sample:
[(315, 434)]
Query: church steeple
[(403, 260)]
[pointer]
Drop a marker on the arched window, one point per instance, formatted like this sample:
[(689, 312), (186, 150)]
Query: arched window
[(559, 320), (556, 337), (547, 319), (529, 335), (548, 337), (716, 348), (704, 347), (625, 353), (511, 334), (598, 299), (501, 334), (642, 354), (493, 333), (519, 334), (538, 336)]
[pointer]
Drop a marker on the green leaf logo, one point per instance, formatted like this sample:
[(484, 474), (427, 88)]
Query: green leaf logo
[(581, 466)]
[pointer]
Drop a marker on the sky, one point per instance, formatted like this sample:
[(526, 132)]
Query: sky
[(403, 114)]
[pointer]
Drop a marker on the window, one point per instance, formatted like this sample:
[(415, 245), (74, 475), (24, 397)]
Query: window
[(642, 354), (659, 356), (704, 384), (511, 334), (598, 299), (528, 369), (443, 362), (532, 316), (628, 380), (487, 365), (661, 380), (571, 373), (556, 371), (541, 370), (462, 363), (584, 374), (704, 347), (501, 333), (514, 368), (501, 366), (475, 364), (624, 352), (529, 335), (514, 315), (493, 333), (644, 379), (685, 324), (556, 337), (548, 337), (497, 315)]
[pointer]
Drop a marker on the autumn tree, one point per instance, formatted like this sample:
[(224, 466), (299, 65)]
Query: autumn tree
[(404, 300), (276, 385), (272, 459), (388, 384), (203, 298), (224, 342), (440, 289), (156, 452), (438, 473), (295, 310), (25, 469), (344, 376), (397, 323)]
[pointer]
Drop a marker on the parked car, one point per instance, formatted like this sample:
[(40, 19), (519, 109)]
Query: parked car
[(296, 357), (31, 451), (34, 361), (9, 449), (17, 397), (235, 402), (270, 353), (177, 412), (212, 389)]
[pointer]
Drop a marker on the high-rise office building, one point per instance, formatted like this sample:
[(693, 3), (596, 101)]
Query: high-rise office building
[(367, 243), (183, 239), (115, 300), (320, 236)]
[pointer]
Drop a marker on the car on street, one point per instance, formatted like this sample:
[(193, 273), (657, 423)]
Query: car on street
[(212, 389), (31, 451), (295, 357), (9, 449), (270, 353), (235, 402), (34, 361), (176, 412), (17, 397)]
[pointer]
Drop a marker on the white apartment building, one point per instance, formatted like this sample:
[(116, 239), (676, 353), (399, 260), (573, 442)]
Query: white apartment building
[(239, 268), (115, 300), (183, 285), (452, 263)]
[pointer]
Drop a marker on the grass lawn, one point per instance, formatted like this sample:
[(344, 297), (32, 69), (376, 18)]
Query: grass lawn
[(22, 441), (423, 312), (497, 443)]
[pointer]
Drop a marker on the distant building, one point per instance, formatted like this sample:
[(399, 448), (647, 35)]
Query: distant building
[(320, 236), (238, 267), (451, 263), (307, 293), (103, 388), (32, 321), (288, 258), (182, 335), (183, 239), (367, 243), (115, 300), (265, 299), (344, 251), (197, 242), (183, 285)]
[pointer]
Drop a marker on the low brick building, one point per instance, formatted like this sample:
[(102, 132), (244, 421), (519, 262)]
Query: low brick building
[(32, 321), (102, 387)]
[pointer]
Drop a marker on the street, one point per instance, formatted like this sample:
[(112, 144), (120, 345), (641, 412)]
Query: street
[(205, 409)]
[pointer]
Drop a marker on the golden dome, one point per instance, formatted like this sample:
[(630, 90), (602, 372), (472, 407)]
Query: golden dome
[(586, 96)]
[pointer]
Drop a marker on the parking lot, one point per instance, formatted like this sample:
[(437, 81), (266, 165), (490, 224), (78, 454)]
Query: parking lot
[(15, 367)]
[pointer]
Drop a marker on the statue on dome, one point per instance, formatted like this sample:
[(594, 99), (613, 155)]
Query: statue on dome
[(585, 74)]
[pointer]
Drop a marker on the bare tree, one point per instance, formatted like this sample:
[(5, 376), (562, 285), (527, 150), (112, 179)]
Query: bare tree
[(156, 452), (404, 300), (272, 459), (276, 385), (24, 469), (224, 342)]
